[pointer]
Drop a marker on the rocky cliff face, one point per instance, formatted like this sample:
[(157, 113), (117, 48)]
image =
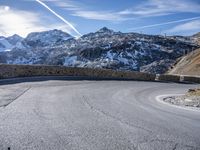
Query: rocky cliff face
[(102, 49)]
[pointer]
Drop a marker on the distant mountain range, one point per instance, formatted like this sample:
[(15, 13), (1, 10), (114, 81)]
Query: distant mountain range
[(102, 49)]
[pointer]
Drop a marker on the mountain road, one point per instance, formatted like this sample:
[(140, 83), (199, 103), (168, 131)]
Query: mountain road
[(95, 115)]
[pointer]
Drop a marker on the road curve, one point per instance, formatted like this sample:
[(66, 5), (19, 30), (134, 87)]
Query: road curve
[(95, 115)]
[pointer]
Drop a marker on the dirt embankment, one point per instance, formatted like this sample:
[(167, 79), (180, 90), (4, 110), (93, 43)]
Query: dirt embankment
[(188, 65)]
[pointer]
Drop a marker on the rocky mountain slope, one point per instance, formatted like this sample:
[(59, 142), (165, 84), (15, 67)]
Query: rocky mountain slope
[(102, 49), (188, 65), (196, 38), (7, 44)]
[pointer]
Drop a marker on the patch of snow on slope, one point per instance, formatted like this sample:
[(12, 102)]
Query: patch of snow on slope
[(123, 59), (110, 55), (70, 60)]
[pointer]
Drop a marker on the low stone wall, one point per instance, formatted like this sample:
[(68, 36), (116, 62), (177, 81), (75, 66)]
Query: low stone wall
[(192, 79), (179, 78), (169, 78), (12, 71)]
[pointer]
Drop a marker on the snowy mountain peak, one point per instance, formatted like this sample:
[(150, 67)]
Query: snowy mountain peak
[(48, 34), (14, 39), (8, 43), (105, 30), (4, 44), (47, 38), (15, 36)]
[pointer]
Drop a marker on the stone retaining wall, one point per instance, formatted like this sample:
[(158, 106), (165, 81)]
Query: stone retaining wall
[(13, 71)]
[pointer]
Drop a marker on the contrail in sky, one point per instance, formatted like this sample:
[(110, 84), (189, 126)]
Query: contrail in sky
[(165, 23), (60, 17)]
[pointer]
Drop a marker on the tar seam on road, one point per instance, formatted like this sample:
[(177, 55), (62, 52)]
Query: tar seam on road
[(17, 97), (113, 117), (131, 125)]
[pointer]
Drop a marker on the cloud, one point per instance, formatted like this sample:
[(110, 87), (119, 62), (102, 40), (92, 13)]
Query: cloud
[(14, 21), (162, 7), (164, 23), (60, 17), (80, 10), (149, 8), (186, 27), (94, 15), (146, 8)]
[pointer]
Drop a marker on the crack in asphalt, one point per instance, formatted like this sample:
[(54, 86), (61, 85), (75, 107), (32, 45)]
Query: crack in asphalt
[(175, 146), (85, 99), (113, 117), (38, 113), (15, 98)]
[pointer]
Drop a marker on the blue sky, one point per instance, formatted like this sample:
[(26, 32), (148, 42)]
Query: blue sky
[(77, 17)]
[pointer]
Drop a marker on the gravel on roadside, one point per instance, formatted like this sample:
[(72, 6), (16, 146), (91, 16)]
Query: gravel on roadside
[(191, 99)]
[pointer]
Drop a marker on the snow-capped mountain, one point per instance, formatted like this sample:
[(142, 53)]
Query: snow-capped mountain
[(4, 44), (102, 49), (7, 44), (14, 39), (46, 38)]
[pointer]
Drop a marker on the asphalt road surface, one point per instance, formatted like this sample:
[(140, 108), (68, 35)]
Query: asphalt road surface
[(95, 115)]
